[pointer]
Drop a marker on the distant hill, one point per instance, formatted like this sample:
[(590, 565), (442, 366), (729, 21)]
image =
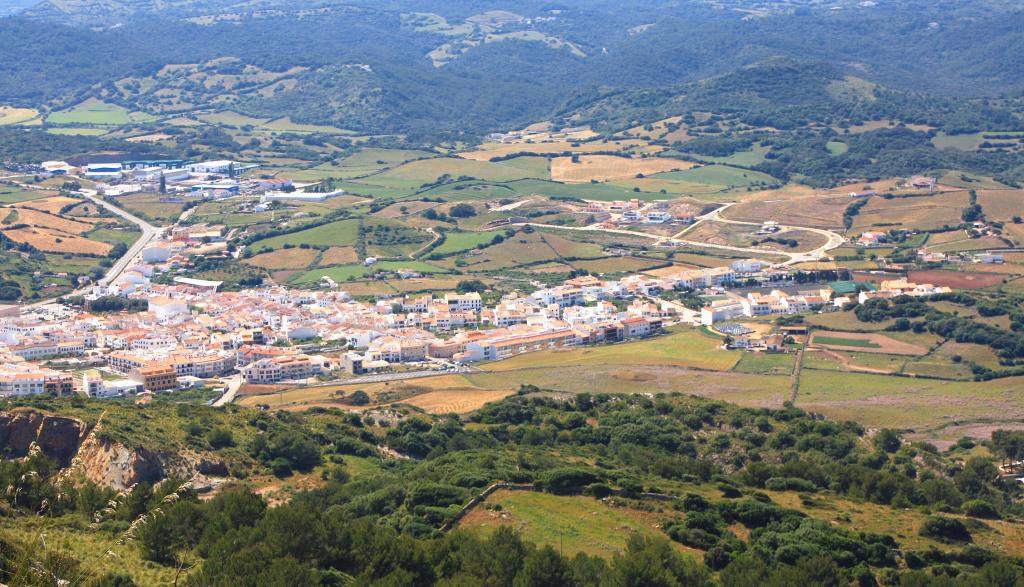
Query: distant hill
[(461, 68), (787, 94)]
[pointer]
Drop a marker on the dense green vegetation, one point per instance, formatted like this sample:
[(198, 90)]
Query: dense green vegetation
[(716, 461), (526, 80)]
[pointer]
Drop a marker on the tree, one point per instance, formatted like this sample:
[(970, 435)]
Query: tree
[(359, 398), (887, 440), (544, 568), (945, 529), (117, 251), (652, 562), (462, 210), (471, 285), (220, 437)]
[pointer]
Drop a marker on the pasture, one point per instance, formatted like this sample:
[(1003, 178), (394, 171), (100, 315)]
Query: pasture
[(608, 167), (685, 347), (345, 255), (573, 524), (416, 174), (294, 258), (13, 115), (151, 207), (922, 213), (342, 273), (50, 205), (13, 195), (1001, 205), (955, 279), (56, 242), (921, 405), (813, 211), (457, 242), (529, 248), (94, 111), (341, 232)]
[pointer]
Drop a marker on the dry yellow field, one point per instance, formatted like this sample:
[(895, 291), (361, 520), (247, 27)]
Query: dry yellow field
[(57, 242), (52, 205), (458, 401), (607, 167), (437, 395), (926, 212), (490, 150), (339, 256), (55, 223), (12, 115), (150, 138), (283, 259), (1001, 204)]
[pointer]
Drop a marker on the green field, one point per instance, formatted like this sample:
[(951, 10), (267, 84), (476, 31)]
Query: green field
[(345, 272), (78, 131), (457, 242), (150, 206), (571, 523), (716, 175), (905, 403), (416, 174), (13, 195), (837, 147), (94, 111), (110, 235), (856, 342), (341, 232), (766, 363), (687, 347)]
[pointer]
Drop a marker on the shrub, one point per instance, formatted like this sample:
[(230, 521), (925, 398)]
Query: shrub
[(945, 529), (568, 479), (220, 438), (979, 508), (790, 484)]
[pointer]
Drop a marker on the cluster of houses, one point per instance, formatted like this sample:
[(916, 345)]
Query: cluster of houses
[(778, 302), (635, 212), (190, 331)]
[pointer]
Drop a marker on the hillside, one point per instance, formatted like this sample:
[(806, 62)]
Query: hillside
[(704, 484), (497, 66)]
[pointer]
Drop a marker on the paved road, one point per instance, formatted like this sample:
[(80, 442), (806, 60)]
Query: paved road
[(672, 240), (234, 384), (833, 240), (149, 233)]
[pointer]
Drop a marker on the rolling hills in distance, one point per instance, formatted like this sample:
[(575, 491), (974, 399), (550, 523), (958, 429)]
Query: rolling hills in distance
[(492, 147)]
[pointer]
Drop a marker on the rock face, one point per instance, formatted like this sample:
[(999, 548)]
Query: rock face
[(113, 464), (95, 457), (57, 436)]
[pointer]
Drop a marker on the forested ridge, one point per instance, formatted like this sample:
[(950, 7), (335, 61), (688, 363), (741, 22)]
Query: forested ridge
[(513, 82)]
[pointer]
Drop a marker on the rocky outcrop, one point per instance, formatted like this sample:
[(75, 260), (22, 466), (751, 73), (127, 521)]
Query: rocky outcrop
[(58, 437), (113, 464), (95, 456)]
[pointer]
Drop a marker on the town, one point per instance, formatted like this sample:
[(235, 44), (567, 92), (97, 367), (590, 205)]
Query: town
[(188, 333)]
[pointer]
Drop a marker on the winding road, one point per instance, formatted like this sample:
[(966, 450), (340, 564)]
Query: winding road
[(149, 233), (833, 239)]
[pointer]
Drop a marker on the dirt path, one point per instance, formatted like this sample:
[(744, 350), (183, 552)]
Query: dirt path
[(794, 378), (851, 367)]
